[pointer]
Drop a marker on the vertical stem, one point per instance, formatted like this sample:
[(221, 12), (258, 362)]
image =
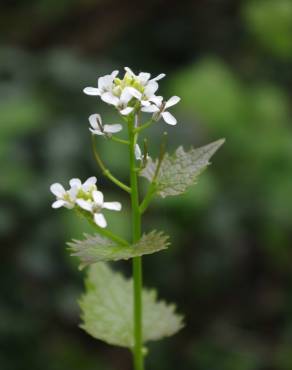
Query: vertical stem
[(137, 261)]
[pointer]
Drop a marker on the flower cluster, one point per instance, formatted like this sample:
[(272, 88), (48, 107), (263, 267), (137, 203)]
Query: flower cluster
[(130, 94), (84, 196)]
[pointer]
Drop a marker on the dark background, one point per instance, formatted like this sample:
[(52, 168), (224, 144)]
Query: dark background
[(229, 266)]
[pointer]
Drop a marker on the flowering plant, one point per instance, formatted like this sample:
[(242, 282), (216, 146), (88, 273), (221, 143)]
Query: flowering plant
[(115, 309)]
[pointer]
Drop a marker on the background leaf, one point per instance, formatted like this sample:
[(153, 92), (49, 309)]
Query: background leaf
[(180, 171), (107, 309)]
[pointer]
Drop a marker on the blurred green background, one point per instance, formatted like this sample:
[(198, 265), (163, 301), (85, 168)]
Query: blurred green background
[(229, 266)]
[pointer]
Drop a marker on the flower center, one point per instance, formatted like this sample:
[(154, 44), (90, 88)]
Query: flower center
[(127, 81), (86, 195)]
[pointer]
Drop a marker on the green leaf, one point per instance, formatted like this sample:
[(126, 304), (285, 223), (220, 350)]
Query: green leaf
[(95, 248), (180, 170), (107, 309)]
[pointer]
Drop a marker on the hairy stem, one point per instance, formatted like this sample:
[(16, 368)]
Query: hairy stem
[(137, 261)]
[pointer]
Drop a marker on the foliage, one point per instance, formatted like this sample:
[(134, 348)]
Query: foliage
[(107, 309), (181, 170), (231, 234), (95, 248)]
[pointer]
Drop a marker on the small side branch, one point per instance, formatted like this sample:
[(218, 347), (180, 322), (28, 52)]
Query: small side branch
[(104, 232), (121, 141), (148, 197), (106, 172), (145, 125), (152, 187), (115, 238)]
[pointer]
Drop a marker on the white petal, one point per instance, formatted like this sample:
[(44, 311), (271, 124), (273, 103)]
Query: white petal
[(91, 91), (144, 77), (101, 83), (97, 197), (73, 193), (134, 92), (131, 73), (58, 203), (172, 101), (169, 118), (150, 88), (156, 100), (75, 182), (96, 132), (89, 183), (57, 189), (114, 73), (114, 206), (94, 119), (150, 109), (110, 98), (138, 153), (126, 96), (159, 77), (84, 204), (126, 111), (100, 220), (105, 82), (113, 128), (145, 103)]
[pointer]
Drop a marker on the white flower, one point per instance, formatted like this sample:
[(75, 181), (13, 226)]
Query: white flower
[(159, 108), (127, 95), (121, 92), (144, 77), (88, 186), (121, 103), (86, 196), (95, 206), (104, 83), (98, 129), (63, 198), (150, 86), (67, 198), (114, 94)]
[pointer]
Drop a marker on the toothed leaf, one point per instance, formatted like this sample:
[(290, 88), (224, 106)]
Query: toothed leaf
[(95, 248), (107, 309), (180, 170)]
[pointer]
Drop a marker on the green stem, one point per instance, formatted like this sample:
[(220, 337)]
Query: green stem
[(147, 124), (137, 261), (148, 197), (112, 236), (152, 187), (105, 232), (105, 171), (118, 140)]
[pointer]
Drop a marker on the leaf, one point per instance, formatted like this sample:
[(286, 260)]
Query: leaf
[(107, 309), (95, 248), (180, 170)]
